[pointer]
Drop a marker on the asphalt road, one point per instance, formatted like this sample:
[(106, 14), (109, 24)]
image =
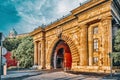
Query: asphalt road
[(55, 75)]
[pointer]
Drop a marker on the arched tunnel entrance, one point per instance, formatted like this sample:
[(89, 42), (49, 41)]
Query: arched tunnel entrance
[(61, 56)]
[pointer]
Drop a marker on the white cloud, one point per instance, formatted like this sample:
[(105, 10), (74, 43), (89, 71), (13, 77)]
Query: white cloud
[(65, 6), (36, 12)]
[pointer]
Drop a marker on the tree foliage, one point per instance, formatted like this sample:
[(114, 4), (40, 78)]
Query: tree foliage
[(117, 41), (116, 58), (11, 43), (24, 52), (116, 54), (22, 49)]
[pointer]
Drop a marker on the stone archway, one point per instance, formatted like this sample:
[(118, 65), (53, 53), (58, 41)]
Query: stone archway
[(61, 56), (73, 49)]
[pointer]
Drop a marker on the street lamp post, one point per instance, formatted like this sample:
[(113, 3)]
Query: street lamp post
[(0, 54), (1, 46)]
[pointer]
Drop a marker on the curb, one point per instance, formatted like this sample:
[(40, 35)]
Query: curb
[(12, 77)]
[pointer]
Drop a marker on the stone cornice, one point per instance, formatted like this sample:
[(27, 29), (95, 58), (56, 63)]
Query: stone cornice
[(36, 31), (60, 22), (87, 6), (106, 18)]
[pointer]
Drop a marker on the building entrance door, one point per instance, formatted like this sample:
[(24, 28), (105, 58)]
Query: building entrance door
[(60, 58)]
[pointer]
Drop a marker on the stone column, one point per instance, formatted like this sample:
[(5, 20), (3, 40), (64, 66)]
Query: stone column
[(43, 51), (35, 53), (84, 46), (109, 21), (107, 43), (90, 45), (39, 53)]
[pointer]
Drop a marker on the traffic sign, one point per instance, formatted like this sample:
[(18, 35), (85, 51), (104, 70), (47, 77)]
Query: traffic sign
[(4, 51)]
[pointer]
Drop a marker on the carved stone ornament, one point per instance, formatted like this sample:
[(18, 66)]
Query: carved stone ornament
[(59, 31)]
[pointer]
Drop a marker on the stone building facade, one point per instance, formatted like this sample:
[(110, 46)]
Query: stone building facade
[(80, 41), (13, 34)]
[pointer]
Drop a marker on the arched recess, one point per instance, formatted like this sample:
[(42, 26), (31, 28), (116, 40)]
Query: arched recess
[(72, 46), (61, 56)]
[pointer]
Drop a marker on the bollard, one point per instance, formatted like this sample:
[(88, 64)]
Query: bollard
[(5, 69)]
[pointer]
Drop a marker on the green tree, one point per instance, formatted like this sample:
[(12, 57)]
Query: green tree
[(116, 54), (117, 41), (11, 43), (24, 52), (116, 58)]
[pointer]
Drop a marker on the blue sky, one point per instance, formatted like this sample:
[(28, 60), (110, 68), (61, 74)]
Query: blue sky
[(26, 15)]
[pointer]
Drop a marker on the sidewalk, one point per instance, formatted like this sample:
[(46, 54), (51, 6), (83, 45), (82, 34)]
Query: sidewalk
[(18, 74)]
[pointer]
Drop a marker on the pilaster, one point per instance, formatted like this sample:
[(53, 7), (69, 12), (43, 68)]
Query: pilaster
[(43, 62), (84, 45), (35, 53), (107, 42), (39, 53), (90, 45)]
